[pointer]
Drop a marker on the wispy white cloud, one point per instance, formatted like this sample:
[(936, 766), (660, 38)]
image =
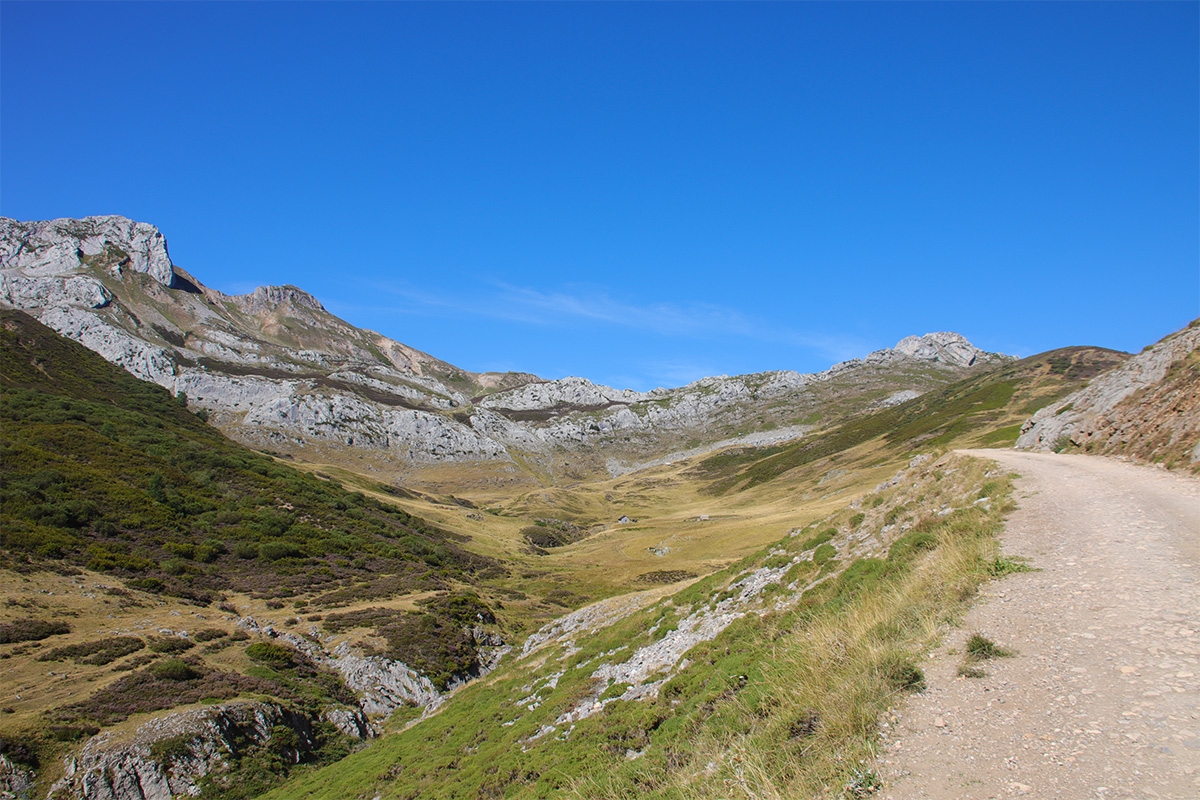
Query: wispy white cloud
[(579, 305)]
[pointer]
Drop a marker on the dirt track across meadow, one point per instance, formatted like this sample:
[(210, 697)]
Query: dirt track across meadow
[(1102, 699)]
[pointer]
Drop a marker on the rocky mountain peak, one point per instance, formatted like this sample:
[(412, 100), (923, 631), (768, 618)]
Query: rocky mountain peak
[(58, 246), (275, 368), (944, 347), (267, 298)]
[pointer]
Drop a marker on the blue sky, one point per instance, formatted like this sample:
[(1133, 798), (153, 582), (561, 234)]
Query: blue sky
[(642, 194)]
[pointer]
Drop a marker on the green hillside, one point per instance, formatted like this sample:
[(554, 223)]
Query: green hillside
[(981, 411), (108, 480), (105, 471), (782, 702)]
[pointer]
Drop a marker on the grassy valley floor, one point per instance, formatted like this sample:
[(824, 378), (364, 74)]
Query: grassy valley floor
[(821, 635)]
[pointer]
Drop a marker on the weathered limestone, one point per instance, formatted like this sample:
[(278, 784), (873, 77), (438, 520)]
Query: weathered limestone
[(1135, 401), (209, 738), (57, 246)]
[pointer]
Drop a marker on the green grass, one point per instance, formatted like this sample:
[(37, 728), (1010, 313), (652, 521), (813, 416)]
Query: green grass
[(983, 410), (99, 469), (778, 705)]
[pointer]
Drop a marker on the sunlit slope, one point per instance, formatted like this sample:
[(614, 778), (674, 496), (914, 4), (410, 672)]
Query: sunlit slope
[(695, 515), (981, 411), (110, 472), (764, 679)]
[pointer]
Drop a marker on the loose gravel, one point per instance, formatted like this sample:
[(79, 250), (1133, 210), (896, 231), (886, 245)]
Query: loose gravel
[(1102, 699)]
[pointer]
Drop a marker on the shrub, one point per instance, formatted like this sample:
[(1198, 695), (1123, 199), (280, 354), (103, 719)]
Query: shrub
[(245, 550), (72, 733), (174, 669), (146, 584), (209, 550), (31, 630), (273, 551), (174, 566), (273, 655), (97, 653), (184, 549), (19, 753), (170, 644)]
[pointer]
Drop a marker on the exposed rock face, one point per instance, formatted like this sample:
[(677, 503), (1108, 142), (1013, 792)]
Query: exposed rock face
[(382, 685), (273, 365), (58, 246), (169, 756), (578, 392), (275, 368), (265, 299), (944, 348), (206, 740), (15, 780), (1148, 407)]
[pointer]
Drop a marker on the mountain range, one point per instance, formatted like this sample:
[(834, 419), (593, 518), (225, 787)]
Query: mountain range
[(248, 547), (275, 370)]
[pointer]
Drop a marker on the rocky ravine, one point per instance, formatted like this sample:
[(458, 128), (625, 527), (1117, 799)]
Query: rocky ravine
[(1147, 408), (275, 369)]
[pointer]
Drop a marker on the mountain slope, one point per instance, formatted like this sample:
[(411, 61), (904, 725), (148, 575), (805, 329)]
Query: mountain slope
[(105, 470), (1149, 408), (276, 370), (984, 410), (125, 520)]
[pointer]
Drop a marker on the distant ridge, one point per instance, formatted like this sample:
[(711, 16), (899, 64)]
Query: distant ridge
[(275, 369)]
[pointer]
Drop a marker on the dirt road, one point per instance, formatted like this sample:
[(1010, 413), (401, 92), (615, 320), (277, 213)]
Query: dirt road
[(1102, 699)]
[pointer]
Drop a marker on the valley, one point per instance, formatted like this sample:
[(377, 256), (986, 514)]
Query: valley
[(248, 548)]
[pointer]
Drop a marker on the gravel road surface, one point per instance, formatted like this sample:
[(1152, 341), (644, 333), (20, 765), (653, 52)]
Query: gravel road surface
[(1102, 699)]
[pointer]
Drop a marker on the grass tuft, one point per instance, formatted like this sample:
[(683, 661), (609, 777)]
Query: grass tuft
[(981, 648)]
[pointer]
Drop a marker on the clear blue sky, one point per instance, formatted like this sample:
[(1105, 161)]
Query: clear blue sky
[(642, 194)]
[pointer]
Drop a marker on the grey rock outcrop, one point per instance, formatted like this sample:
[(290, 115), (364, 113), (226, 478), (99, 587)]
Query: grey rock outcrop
[(141, 358), (205, 741), (1147, 407), (577, 392), (943, 348), (58, 246), (382, 685), (15, 780)]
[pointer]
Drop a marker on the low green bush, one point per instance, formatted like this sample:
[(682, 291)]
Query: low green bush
[(31, 630), (174, 669)]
